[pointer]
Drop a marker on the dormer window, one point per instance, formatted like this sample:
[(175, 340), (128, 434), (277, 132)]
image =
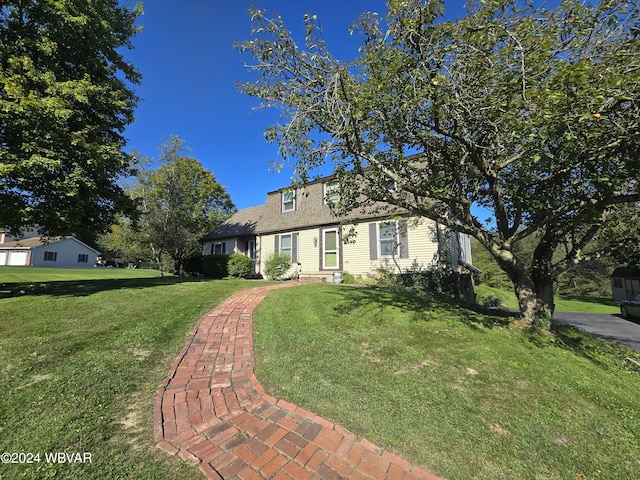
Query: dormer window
[(288, 201), (331, 193)]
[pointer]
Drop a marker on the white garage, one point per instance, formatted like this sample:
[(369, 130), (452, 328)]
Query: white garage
[(67, 252)]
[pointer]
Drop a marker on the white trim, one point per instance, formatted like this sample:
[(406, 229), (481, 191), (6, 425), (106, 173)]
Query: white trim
[(325, 251), (396, 238), (334, 190), (290, 250), (292, 200)]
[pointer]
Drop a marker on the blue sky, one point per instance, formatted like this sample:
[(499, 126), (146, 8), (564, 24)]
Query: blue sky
[(189, 66)]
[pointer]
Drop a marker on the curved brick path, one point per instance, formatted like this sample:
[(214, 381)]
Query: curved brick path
[(214, 413)]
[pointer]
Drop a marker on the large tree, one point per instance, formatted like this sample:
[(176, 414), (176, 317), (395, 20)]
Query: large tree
[(180, 202), (65, 100), (528, 112)]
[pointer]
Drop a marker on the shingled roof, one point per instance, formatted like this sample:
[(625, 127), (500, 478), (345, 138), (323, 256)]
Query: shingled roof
[(241, 224)]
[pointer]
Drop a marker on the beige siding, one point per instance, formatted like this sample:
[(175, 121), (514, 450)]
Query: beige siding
[(309, 250), (230, 246), (423, 249)]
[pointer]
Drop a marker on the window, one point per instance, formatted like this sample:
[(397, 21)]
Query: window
[(617, 283), (218, 248), (330, 245), (50, 256), (331, 193), (82, 258), (286, 245), (288, 201), (388, 239)]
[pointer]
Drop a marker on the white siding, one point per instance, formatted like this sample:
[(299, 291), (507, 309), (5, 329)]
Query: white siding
[(67, 251)]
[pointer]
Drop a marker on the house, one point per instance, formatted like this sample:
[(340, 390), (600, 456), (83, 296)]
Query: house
[(36, 251), (625, 283), (300, 223)]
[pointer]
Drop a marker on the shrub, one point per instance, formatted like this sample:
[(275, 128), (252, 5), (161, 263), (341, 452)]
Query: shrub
[(441, 280), (193, 265), (215, 266), (239, 266), (349, 279), (276, 265), (490, 300), (388, 280)]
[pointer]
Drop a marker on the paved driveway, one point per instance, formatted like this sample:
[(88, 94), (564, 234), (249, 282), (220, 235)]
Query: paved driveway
[(610, 327)]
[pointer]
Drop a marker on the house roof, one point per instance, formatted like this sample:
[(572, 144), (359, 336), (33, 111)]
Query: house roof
[(36, 242), (27, 243), (626, 272), (241, 224), (310, 211)]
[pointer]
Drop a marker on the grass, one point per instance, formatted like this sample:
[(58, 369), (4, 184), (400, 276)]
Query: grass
[(467, 395), (81, 360), (563, 303)]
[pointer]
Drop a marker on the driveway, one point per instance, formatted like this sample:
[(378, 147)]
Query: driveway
[(609, 327)]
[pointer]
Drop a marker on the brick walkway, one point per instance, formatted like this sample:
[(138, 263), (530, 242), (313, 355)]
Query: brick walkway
[(214, 413)]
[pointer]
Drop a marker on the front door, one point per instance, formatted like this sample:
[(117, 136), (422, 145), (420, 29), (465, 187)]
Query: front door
[(251, 251)]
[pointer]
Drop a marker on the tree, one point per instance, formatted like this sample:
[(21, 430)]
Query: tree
[(64, 103), (180, 202), (527, 112)]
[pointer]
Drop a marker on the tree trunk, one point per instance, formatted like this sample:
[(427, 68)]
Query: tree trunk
[(535, 302), (177, 264), (533, 287)]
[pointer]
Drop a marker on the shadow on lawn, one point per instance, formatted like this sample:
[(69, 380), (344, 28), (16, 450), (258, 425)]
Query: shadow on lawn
[(420, 306), (81, 288)]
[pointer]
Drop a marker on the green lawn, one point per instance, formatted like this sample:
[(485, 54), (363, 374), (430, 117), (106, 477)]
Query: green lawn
[(467, 395), (563, 303), (81, 359)]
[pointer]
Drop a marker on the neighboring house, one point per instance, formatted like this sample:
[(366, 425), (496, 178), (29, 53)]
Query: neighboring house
[(300, 223), (36, 251), (625, 283)]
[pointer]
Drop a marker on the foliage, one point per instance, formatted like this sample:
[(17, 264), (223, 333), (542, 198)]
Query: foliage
[(240, 266), (277, 265), (181, 201), (193, 265), (620, 239), (529, 112), (64, 103), (489, 300), (349, 278), (215, 266), (441, 281), (121, 241)]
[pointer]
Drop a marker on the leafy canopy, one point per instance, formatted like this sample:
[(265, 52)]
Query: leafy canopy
[(64, 104), (526, 111), (180, 201)]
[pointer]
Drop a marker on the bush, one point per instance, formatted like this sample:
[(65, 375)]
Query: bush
[(215, 266), (349, 279), (490, 300), (239, 266), (441, 280), (276, 265), (193, 265)]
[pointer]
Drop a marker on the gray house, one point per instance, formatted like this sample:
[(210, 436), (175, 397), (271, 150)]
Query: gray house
[(67, 252)]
